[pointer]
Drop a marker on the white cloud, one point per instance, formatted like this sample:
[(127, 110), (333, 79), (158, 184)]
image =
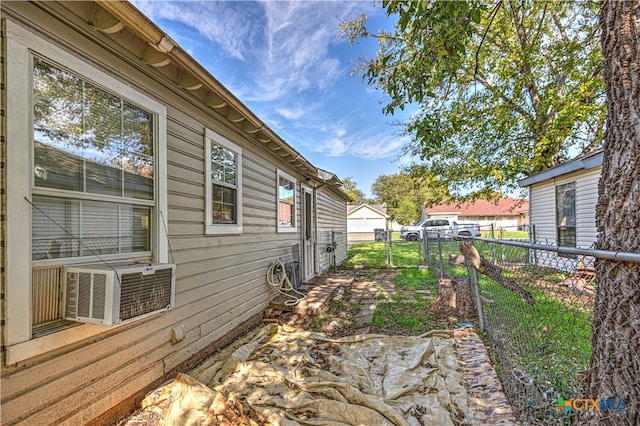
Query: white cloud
[(371, 145), (286, 44), (286, 51), (233, 26), (291, 113)]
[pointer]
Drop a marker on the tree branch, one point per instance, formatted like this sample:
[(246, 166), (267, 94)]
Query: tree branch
[(492, 271), (486, 30), (492, 87)]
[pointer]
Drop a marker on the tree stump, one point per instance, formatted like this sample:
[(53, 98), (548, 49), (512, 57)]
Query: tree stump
[(456, 259), (453, 299)]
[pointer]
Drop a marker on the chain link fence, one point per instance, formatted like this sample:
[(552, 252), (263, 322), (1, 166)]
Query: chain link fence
[(535, 305), (383, 249)]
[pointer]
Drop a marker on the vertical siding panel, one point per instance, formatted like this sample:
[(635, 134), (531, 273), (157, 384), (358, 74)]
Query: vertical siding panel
[(332, 226), (586, 200)]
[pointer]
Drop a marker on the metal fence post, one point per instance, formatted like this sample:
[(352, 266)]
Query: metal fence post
[(440, 253), (532, 238), (475, 287), (425, 241), (419, 246), (334, 246), (387, 238), (386, 251), (493, 244)]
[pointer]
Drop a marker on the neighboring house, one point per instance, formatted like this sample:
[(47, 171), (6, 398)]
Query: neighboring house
[(563, 201), (364, 219), (505, 213), (118, 148)]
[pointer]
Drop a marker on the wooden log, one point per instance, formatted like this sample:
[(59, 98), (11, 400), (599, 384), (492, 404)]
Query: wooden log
[(482, 265)]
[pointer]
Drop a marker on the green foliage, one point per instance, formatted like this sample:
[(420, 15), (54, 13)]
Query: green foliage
[(405, 194), (504, 89), (351, 187), (406, 212)]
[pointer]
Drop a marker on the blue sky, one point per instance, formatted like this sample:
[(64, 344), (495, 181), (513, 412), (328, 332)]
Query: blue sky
[(285, 61)]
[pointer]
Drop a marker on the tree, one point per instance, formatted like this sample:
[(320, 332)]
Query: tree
[(351, 187), (615, 359), (406, 212), (406, 194), (504, 90), (391, 190)]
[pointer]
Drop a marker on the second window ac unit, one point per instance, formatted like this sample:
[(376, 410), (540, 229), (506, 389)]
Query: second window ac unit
[(109, 295)]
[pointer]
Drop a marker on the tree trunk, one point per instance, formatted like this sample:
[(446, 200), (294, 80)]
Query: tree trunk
[(615, 362), (453, 299)]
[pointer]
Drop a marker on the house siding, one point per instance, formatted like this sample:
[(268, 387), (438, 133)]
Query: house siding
[(543, 208), (543, 213), (332, 227), (221, 280)]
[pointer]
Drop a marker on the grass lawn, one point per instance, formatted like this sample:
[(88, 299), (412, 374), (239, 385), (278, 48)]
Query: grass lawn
[(400, 316), (372, 254), (550, 341)]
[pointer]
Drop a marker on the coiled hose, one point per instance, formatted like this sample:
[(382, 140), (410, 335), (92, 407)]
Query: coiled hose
[(277, 278)]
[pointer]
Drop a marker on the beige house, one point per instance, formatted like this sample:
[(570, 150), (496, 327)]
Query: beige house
[(142, 205), (505, 213), (364, 219)]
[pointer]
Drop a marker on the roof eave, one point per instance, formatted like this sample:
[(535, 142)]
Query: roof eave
[(584, 163), (148, 31)]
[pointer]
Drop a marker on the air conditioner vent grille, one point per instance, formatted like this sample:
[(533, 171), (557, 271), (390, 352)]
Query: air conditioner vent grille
[(84, 294), (141, 294), (99, 292), (112, 294)]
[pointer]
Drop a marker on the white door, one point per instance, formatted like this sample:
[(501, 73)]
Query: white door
[(308, 234)]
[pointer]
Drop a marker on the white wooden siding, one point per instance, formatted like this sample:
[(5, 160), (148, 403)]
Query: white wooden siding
[(543, 213), (586, 200), (332, 226), (221, 280)]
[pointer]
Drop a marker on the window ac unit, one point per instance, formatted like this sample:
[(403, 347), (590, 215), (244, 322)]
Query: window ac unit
[(109, 295)]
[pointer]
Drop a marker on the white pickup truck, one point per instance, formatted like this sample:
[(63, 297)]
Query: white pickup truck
[(433, 227)]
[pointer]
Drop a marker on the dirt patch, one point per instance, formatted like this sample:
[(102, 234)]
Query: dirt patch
[(322, 357)]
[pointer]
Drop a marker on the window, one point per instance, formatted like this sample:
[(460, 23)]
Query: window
[(566, 214), (93, 162), (86, 182), (223, 185), (286, 202)]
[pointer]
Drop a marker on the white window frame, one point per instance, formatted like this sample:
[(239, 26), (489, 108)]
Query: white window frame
[(221, 228), (572, 185), (20, 42), (287, 228)]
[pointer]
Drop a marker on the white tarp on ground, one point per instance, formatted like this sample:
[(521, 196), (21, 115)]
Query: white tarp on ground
[(282, 376)]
